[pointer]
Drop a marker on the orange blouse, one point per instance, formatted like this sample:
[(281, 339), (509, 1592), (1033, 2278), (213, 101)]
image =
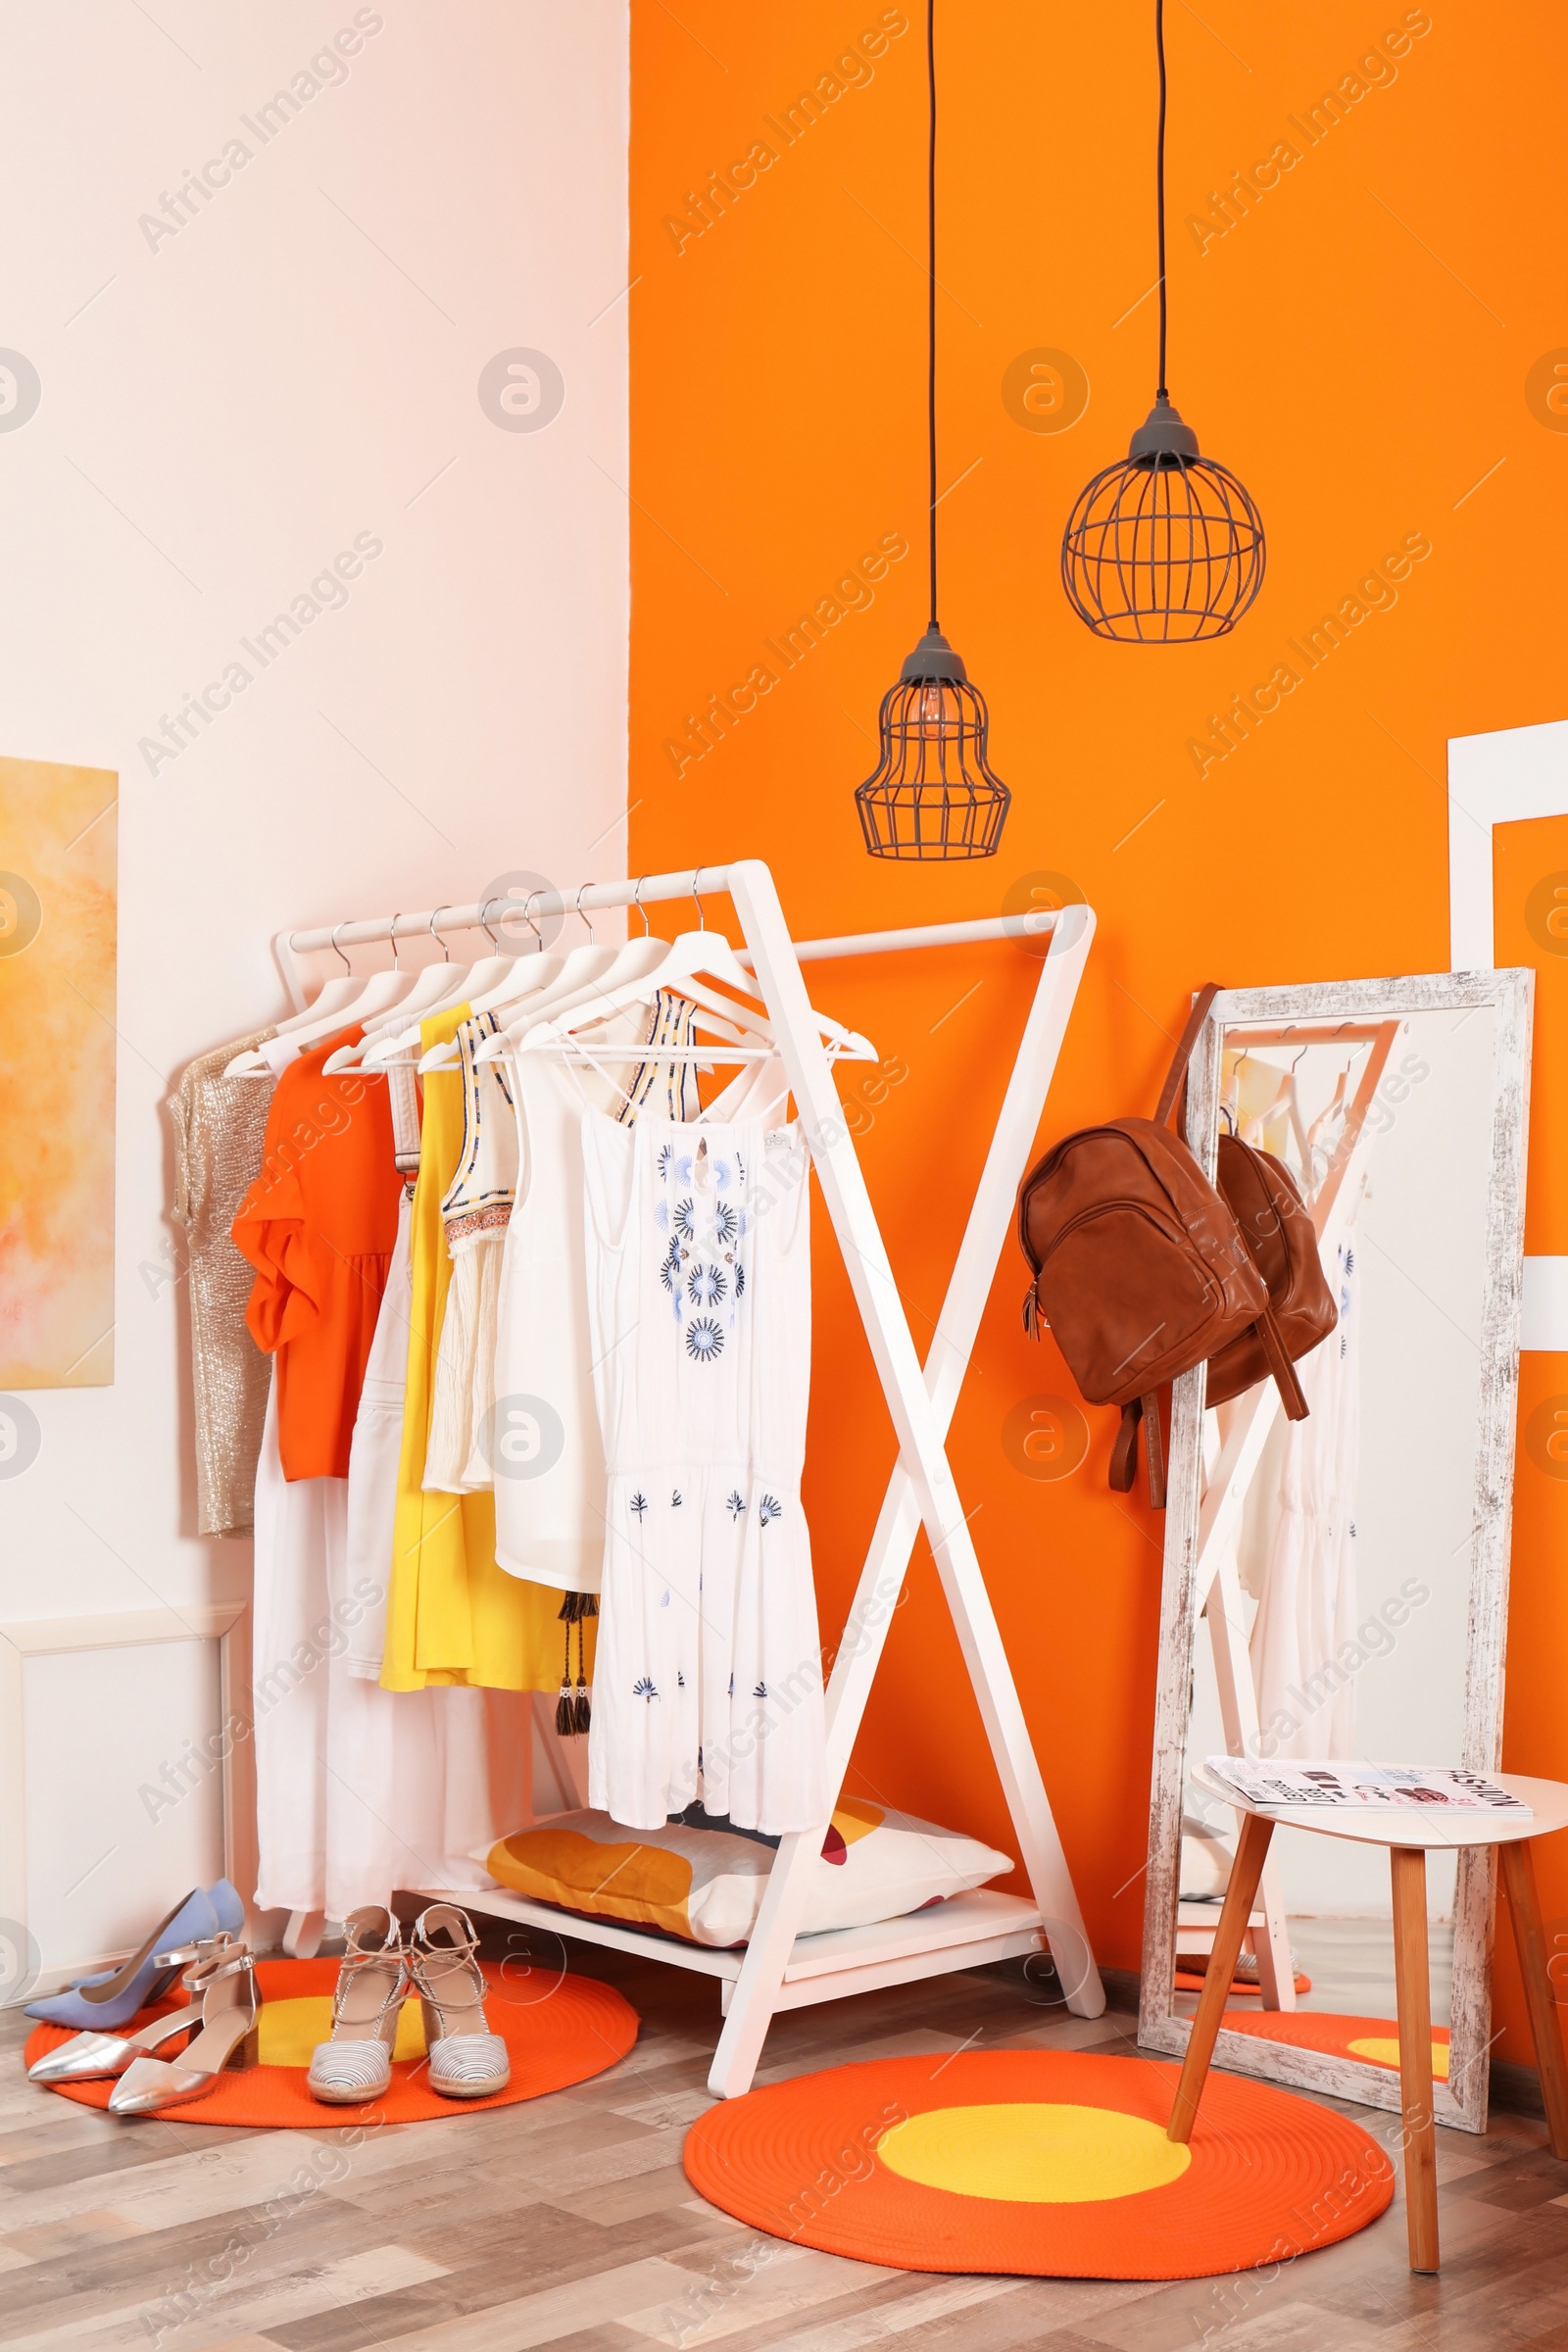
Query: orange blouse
[(318, 1225)]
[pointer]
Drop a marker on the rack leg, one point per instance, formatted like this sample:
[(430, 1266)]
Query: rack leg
[(1237, 1706), (921, 1400), (302, 1936)]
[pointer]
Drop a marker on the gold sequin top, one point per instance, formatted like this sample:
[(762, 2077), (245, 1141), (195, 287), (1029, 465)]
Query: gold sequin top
[(220, 1124)]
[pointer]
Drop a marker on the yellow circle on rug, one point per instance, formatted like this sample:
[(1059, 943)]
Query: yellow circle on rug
[(291, 2029), (1032, 2154), (1384, 2050)]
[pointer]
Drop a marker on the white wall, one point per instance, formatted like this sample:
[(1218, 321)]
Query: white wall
[(224, 409)]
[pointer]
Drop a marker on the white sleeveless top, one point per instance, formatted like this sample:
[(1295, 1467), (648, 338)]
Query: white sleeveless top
[(541, 1439), (708, 1684), (474, 1215)]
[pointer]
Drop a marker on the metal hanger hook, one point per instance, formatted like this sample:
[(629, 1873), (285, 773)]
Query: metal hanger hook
[(336, 950), (701, 920), (581, 917), (527, 916), (435, 934), (637, 902), (392, 935), (484, 921)]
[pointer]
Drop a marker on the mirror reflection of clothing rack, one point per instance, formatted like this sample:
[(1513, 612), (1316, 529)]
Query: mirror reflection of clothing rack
[(779, 1969), (1246, 1426)]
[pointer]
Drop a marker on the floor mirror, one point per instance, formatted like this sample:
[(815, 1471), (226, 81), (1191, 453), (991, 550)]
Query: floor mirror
[(1334, 1588)]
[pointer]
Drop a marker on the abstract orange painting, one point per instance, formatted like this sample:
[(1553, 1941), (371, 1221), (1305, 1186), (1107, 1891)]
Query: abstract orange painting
[(57, 1075)]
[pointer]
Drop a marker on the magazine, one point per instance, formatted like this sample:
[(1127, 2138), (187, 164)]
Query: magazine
[(1344, 1787)]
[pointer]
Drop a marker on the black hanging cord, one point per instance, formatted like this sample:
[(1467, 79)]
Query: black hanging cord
[(1159, 184), (931, 287)]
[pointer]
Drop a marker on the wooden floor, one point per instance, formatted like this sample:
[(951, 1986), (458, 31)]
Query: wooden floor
[(569, 2223)]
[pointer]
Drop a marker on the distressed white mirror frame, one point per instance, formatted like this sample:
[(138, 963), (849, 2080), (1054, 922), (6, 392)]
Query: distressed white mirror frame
[(1462, 2100)]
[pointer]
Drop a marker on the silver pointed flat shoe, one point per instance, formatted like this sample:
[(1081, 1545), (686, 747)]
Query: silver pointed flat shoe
[(94, 2057), (224, 1982)]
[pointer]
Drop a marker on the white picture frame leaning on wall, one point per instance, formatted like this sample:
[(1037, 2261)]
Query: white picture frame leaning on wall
[(1462, 2101)]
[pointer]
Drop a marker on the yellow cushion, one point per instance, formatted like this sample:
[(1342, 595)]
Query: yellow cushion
[(706, 1884)]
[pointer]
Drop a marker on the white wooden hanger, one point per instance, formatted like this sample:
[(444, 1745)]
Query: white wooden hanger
[(1285, 1100), (588, 976), (330, 998), (376, 992), (492, 979), (570, 977), (499, 980), (435, 988), (693, 957)]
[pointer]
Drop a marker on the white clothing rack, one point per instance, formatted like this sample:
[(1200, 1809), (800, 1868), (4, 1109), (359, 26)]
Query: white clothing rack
[(780, 1969), (289, 945)]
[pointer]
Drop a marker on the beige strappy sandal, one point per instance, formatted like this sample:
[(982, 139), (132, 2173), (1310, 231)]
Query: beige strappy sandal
[(356, 2062), (223, 1983), (93, 2057), (466, 2060)]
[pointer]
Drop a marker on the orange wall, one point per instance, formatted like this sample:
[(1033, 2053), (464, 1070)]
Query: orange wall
[(1357, 349)]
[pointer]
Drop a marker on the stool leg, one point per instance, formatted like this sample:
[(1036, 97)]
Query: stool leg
[(1524, 1909), (1412, 1981), (1251, 1850)]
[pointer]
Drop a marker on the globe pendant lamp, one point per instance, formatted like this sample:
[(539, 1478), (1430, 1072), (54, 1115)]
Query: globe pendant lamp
[(933, 793), (1167, 547)]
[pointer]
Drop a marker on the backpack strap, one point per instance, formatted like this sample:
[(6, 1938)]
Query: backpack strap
[(1292, 1395), (1124, 1452), (1184, 1051)]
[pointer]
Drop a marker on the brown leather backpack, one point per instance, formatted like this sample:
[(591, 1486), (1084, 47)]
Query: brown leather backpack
[(1263, 1198), (1141, 1269)]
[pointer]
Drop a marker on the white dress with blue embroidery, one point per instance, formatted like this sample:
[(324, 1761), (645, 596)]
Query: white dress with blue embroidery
[(708, 1684)]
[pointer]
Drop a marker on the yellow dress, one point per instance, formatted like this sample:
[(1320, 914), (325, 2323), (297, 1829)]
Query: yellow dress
[(453, 1616)]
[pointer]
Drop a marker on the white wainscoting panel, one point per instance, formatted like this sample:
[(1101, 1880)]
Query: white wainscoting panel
[(115, 1793)]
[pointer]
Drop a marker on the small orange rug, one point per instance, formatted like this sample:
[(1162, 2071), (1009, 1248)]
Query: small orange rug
[(1049, 2164), (1375, 2040), (1190, 1980), (557, 2029)]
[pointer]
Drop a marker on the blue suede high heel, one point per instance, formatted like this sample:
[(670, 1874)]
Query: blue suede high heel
[(104, 2002)]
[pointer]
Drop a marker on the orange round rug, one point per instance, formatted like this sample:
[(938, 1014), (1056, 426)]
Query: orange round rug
[(1192, 1980), (1048, 2163), (557, 2029), (1375, 2040)]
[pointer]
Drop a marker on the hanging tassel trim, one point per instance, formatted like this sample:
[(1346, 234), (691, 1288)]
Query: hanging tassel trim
[(574, 1708)]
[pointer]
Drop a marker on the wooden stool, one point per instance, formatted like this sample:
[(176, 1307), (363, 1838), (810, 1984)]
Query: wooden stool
[(1407, 1834)]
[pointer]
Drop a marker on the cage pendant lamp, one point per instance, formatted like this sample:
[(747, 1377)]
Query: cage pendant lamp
[(933, 793), (1165, 548)]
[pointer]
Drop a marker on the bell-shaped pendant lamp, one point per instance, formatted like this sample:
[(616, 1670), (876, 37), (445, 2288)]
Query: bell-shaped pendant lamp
[(933, 793), (1165, 548)]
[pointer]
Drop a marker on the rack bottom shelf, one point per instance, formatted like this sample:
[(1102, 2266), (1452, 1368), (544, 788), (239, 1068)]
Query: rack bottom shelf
[(967, 1931)]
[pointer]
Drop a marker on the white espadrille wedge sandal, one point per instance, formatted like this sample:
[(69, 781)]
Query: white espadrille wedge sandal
[(372, 1983), (466, 2060)]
